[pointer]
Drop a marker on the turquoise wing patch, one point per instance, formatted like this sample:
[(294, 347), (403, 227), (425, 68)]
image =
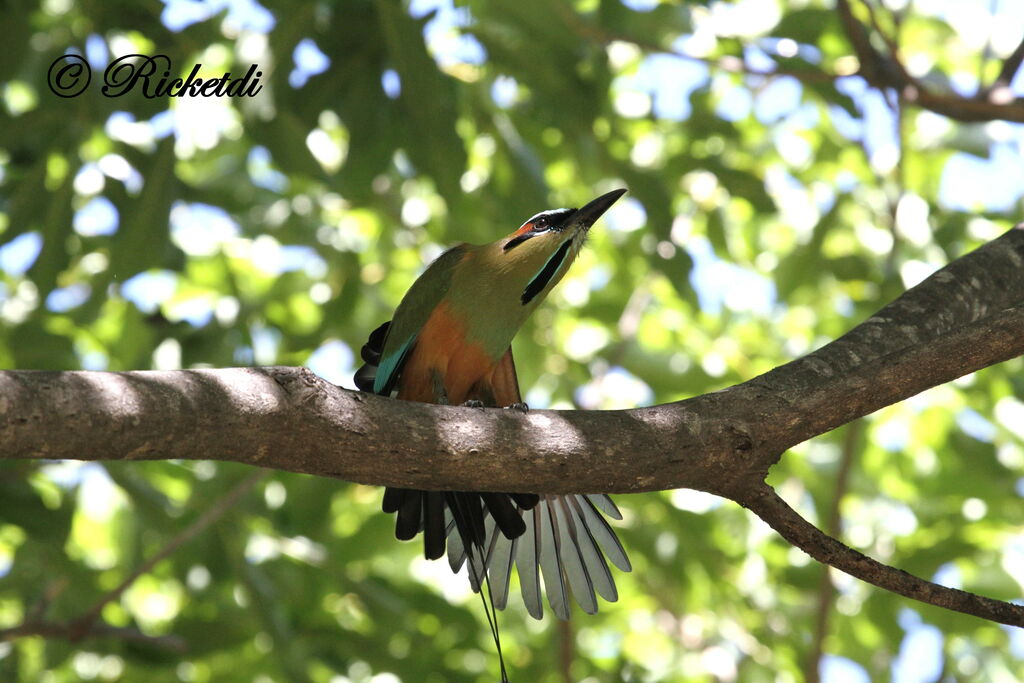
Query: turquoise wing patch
[(390, 367)]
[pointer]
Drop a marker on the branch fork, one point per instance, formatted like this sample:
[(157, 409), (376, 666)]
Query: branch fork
[(965, 317)]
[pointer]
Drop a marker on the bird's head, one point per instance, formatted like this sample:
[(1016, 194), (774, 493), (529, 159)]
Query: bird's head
[(546, 244)]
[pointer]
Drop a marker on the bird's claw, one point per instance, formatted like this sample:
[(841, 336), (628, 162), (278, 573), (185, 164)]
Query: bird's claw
[(473, 403), (520, 406)]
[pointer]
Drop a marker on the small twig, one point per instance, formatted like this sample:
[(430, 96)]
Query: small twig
[(833, 527), (875, 24), (565, 650), (53, 590), (69, 631), (900, 170), (731, 64), (986, 51), (83, 625), (858, 36), (767, 505), (891, 42), (1006, 75)]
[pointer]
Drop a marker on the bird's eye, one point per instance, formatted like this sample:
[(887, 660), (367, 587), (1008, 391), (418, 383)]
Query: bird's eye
[(540, 224)]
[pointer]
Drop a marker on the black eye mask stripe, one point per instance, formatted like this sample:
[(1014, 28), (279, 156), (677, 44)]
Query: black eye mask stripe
[(516, 241), (541, 279), (544, 221)]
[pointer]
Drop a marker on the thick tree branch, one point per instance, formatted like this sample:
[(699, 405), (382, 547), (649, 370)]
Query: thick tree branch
[(967, 316), (289, 419), (767, 505)]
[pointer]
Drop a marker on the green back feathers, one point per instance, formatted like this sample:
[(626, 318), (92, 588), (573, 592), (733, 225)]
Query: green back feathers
[(411, 315), (490, 290)]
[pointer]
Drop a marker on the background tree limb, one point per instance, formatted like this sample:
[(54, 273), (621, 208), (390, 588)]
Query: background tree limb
[(767, 505), (884, 71), (887, 71)]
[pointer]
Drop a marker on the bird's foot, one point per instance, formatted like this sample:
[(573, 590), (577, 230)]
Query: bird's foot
[(520, 406), (473, 403)]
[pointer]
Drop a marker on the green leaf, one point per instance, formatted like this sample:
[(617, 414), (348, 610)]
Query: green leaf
[(142, 240), (427, 100), (808, 24)]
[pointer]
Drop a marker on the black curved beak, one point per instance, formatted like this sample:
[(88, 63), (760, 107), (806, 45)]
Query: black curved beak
[(589, 214)]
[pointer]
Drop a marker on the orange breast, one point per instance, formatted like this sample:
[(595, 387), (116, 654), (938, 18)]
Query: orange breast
[(442, 347)]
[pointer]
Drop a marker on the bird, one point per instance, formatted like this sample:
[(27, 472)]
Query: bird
[(449, 342)]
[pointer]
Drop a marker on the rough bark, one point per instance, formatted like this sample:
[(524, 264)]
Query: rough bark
[(965, 317)]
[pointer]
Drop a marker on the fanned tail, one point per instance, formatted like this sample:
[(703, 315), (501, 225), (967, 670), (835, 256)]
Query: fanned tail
[(568, 542), (564, 538)]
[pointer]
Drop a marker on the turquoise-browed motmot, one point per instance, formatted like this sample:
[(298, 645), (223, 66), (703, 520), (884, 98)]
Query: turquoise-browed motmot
[(449, 342)]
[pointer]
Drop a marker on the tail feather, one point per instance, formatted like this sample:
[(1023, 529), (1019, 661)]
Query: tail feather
[(468, 516), (434, 531), (527, 501), (472, 505), (456, 552), (459, 515), (528, 563), (371, 351), (605, 504), (600, 575), (500, 556), (603, 533), (393, 498), (574, 565), (365, 377), (409, 522), (566, 541), (461, 528), (504, 513), (550, 545)]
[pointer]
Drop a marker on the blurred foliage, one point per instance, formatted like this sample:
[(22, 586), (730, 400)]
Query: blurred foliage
[(762, 221)]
